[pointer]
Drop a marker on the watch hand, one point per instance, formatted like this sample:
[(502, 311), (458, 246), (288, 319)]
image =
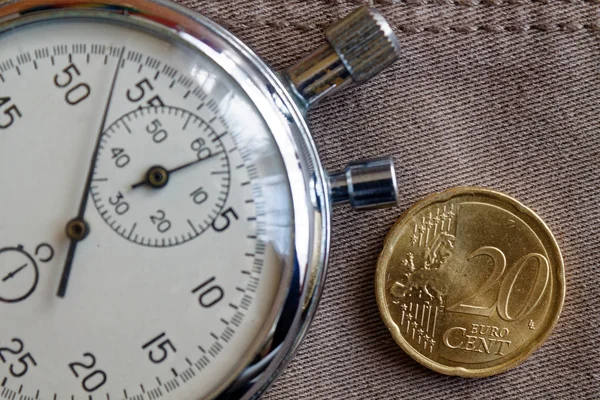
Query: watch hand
[(194, 162), (16, 271), (77, 229), (157, 176)]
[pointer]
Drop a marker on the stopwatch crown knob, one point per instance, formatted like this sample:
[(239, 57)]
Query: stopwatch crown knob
[(365, 43), (359, 47)]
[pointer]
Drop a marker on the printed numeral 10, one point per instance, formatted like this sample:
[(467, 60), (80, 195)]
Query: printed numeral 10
[(208, 293)]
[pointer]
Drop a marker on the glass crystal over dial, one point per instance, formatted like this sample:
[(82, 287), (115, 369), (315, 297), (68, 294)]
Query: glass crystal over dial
[(171, 266)]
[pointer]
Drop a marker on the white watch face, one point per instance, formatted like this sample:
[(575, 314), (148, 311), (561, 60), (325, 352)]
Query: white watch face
[(169, 170)]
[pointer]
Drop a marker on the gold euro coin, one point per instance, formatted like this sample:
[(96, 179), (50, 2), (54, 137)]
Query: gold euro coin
[(470, 282)]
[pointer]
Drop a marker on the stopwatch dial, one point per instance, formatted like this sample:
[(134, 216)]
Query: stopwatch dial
[(18, 275), (186, 208), (161, 177)]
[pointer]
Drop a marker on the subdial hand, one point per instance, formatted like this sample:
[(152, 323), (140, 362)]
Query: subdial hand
[(77, 229), (16, 271), (157, 177)]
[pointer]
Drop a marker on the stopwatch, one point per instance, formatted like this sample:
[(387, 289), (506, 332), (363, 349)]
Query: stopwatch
[(164, 216)]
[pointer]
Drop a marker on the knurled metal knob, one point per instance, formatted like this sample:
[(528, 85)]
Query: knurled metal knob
[(359, 47), (365, 43)]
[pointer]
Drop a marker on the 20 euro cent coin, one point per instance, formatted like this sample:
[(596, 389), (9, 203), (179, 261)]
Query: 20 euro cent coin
[(470, 282)]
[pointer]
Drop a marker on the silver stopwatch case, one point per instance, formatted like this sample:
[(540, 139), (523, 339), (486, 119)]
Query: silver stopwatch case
[(357, 48)]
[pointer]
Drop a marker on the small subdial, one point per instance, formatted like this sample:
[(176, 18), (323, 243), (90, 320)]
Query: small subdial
[(19, 275), (162, 176)]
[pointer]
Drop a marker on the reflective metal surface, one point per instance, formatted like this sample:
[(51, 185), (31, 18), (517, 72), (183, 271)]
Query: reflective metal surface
[(361, 45), (365, 184)]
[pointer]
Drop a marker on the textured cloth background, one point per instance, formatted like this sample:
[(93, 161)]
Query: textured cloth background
[(496, 93)]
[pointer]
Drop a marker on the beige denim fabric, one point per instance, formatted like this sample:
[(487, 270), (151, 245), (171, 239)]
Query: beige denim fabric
[(497, 93)]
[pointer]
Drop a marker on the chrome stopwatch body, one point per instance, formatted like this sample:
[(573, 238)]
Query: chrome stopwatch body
[(175, 157)]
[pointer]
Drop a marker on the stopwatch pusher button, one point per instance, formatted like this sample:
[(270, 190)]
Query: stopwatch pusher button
[(359, 47), (365, 184), (365, 43)]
